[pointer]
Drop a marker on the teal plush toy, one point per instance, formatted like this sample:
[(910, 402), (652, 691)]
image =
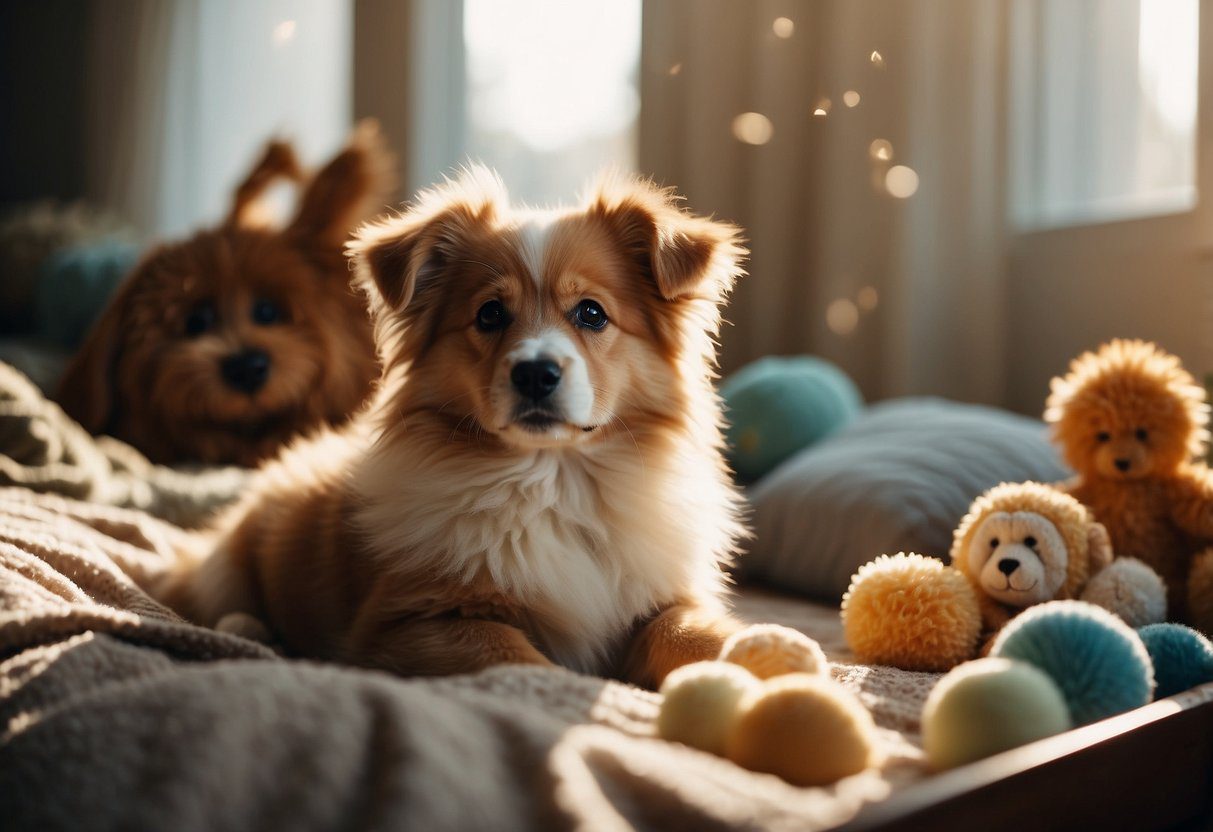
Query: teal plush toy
[(1182, 657), (1099, 663), (777, 406), (74, 285)]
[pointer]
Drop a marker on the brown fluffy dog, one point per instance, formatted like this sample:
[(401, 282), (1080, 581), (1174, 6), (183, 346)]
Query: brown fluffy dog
[(539, 477), (220, 348), (1131, 421)]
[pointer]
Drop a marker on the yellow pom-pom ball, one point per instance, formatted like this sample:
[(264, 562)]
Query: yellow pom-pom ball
[(987, 706), (911, 612), (700, 703), (768, 650), (804, 728)]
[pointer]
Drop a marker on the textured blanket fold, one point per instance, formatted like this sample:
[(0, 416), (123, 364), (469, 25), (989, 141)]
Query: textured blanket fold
[(45, 450)]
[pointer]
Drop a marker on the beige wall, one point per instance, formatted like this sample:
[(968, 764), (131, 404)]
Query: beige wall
[(1070, 289)]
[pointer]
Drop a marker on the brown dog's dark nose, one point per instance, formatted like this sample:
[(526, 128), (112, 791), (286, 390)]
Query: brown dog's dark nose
[(1122, 465), (1007, 566), (536, 379), (246, 370)]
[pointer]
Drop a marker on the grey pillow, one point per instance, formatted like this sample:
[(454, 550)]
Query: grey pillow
[(899, 478)]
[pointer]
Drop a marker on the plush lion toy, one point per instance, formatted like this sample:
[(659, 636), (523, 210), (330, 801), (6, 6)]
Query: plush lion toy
[(1026, 543), (1131, 421), (1020, 544)]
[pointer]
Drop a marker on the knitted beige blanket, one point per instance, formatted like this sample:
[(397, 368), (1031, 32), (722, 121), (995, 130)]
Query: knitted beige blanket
[(116, 714)]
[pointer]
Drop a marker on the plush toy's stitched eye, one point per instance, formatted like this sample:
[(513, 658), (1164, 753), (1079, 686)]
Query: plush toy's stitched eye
[(200, 319), (492, 316), (1103, 436), (589, 314), (1141, 434), (1030, 542), (993, 542)]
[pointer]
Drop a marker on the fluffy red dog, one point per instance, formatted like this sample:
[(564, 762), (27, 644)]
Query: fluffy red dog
[(222, 347), (539, 477)]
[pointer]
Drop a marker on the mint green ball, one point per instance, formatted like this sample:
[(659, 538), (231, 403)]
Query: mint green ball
[(778, 406), (988, 706), (1100, 664)]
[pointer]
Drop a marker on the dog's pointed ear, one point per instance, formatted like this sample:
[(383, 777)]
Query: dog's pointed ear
[(86, 389), (354, 186), (687, 256), (397, 256), (278, 161)]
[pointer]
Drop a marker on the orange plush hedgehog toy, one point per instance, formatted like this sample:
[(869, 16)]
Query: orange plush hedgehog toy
[(1131, 421)]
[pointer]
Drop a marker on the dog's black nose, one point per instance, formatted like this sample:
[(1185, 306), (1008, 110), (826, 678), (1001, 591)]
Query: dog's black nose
[(246, 370), (1122, 464), (1008, 565), (536, 379)]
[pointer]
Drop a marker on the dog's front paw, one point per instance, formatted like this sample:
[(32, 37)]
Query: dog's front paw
[(768, 650)]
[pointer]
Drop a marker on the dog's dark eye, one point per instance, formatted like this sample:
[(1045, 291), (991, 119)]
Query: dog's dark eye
[(200, 319), (266, 312), (492, 316), (1141, 434), (1103, 436), (589, 314), (1030, 542), (993, 542)]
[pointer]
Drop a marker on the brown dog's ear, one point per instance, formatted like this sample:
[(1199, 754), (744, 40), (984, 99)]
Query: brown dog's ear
[(355, 185), (277, 161), (687, 256), (85, 391), (395, 256), (1099, 548)]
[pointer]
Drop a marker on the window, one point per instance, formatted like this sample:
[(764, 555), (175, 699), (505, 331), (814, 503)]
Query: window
[(551, 90), (1103, 118)]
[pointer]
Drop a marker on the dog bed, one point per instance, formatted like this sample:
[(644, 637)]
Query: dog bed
[(115, 713)]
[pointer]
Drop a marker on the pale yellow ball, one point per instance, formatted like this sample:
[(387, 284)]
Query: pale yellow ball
[(987, 706), (911, 612), (768, 650), (804, 728), (699, 703)]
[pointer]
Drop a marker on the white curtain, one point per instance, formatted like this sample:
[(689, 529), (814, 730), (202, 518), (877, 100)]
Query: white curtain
[(905, 293), (182, 94)]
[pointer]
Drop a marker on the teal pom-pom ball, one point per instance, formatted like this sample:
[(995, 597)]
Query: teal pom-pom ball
[(778, 405), (1099, 663), (74, 285), (1182, 657)]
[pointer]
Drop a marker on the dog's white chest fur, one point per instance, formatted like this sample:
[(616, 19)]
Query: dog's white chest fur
[(587, 543)]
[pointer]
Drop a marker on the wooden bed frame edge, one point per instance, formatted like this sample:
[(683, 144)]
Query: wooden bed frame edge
[(1150, 768)]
